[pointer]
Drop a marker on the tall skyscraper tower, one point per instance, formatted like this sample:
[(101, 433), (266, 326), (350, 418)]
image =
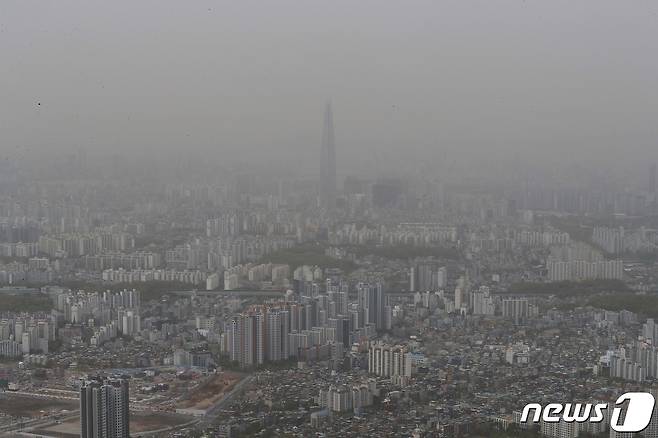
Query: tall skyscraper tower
[(328, 162), (372, 304), (104, 409)]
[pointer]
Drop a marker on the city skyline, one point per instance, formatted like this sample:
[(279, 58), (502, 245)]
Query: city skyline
[(328, 219), (412, 84)]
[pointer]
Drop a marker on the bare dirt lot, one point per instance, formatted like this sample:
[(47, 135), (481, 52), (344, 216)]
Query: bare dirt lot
[(67, 429), (145, 421), (139, 422), (18, 406), (210, 391)]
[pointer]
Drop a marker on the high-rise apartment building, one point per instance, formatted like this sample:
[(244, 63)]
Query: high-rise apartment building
[(427, 276), (482, 302), (257, 337), (517, 309), (386, 361), (104, 408), (372, 304)]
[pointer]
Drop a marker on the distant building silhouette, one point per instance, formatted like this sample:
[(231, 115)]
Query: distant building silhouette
[(328, 162), (387, 192)]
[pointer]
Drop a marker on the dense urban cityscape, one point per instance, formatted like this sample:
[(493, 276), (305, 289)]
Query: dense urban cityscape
[(271, 307), (337, 219)]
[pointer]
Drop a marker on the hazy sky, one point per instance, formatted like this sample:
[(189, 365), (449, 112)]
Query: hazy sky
[(550, 79)]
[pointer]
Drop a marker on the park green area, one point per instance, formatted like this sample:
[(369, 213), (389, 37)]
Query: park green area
[(611, 295), (149, 290), (645, 305), (25, 302), (38, 302), (314, 255), (569, 288), (310, 254), (404, 252)]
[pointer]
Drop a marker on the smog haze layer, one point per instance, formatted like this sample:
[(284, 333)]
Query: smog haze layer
[(545, 84)]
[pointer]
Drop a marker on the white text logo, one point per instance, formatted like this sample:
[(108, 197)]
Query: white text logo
[(637, 418)]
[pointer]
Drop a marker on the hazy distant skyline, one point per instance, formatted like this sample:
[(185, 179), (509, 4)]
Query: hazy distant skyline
[(409, 81)]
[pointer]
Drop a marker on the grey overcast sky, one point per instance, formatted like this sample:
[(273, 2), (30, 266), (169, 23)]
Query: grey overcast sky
[(548, 80)]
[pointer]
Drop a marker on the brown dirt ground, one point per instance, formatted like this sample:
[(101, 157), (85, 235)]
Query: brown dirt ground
[(139, 422), (32, 406), (210, 391)]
